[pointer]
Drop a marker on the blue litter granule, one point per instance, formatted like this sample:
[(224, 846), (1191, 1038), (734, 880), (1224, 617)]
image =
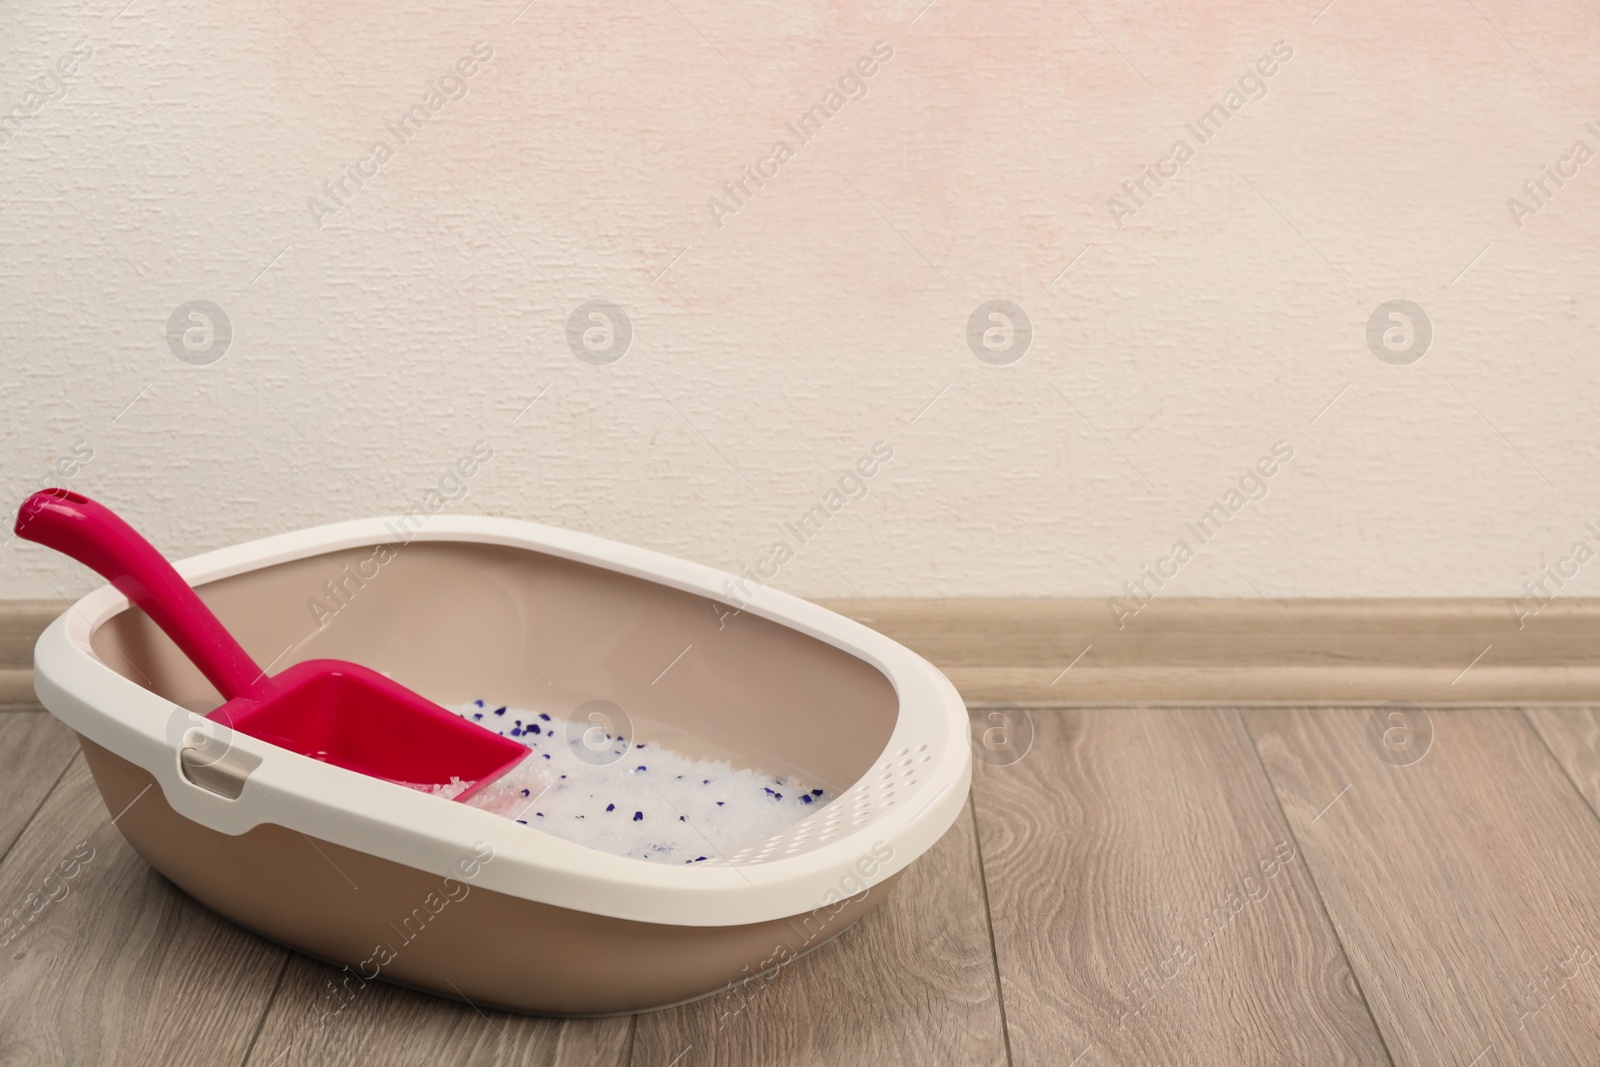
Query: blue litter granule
[(501, 710), (611, 807), (638, 815)]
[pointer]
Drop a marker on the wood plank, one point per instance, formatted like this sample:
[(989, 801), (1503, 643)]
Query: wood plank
[(913, 983), (120, 967), (1572, 735), (1465, 886), (1148, 904), (34, 750), (312, 1020)]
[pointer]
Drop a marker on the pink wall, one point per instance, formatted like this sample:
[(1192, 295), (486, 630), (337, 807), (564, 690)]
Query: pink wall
[(379, 332)]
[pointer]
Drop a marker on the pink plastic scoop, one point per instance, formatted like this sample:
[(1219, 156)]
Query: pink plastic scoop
[(340, 713)]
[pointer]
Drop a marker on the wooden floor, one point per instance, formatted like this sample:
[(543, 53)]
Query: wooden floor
[(1145, 886)]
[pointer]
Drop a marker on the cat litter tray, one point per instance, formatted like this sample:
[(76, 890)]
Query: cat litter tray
[(618, 646)]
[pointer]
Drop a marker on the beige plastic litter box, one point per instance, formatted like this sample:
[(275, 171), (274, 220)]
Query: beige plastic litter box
[(397, 885)]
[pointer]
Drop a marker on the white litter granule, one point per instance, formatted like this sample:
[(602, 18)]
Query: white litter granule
[(647, 803)]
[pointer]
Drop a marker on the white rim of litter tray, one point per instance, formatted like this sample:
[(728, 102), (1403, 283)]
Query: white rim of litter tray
[(420, 831)]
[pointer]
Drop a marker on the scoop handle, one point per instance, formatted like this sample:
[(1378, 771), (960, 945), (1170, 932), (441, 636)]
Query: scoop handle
[(95, 536)]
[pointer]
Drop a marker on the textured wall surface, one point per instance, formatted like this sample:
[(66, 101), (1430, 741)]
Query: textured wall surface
[(359, 341)]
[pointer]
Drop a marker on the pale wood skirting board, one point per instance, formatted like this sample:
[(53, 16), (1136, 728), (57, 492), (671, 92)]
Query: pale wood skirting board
[(21, 622), (1033, 652), (1447, 651)]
